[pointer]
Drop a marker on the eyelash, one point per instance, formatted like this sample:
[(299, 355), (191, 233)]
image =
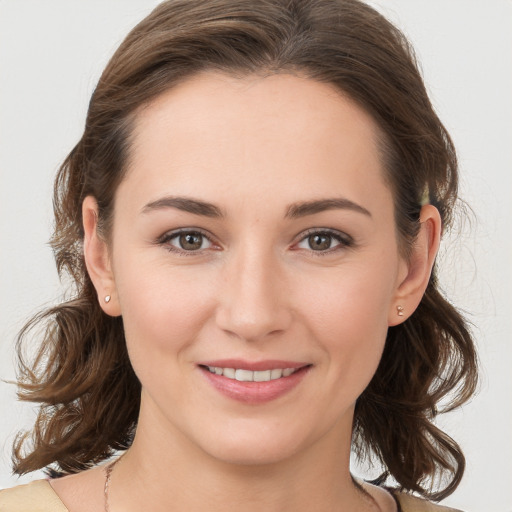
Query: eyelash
[(344, 241), (165, 240)]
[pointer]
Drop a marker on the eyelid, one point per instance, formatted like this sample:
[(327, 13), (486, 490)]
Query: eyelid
[(168, 235), (345, 240)]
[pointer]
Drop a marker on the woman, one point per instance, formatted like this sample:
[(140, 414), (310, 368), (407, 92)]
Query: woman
[(251, 220)]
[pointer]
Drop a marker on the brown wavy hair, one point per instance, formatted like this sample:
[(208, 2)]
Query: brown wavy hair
[(88, 393)]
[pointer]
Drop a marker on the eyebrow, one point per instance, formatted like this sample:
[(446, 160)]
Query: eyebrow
[(185, 204), (294, 211), (303, 209)]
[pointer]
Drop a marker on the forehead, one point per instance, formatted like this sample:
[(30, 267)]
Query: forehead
[(254, 135)]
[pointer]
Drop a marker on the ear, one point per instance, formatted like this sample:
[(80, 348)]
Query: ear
[(97, 259), (414, 277)]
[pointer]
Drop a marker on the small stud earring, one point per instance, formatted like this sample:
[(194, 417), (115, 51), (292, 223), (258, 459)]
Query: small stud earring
[(400, 310), (107, 298)]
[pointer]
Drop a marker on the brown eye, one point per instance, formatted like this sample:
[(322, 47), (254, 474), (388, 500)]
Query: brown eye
[(319, 241), (191, 241), (325, 241), (188, 241)]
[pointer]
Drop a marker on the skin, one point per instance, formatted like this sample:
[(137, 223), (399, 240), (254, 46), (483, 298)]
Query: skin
[(255, 290)]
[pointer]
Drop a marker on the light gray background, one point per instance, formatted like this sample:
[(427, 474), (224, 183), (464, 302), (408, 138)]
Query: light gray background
[(51, 55)]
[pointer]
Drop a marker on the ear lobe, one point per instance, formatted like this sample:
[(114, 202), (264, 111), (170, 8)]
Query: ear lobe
[(411, 288), (97, 259)]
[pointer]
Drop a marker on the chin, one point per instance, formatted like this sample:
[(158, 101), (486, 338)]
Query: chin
[(259, 445)]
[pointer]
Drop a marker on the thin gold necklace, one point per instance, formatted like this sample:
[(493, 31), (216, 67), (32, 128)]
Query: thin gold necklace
[(108, 472)]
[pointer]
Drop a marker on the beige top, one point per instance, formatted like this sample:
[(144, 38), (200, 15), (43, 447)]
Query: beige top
[(39, 496)]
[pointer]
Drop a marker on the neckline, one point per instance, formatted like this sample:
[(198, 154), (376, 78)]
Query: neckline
[(57, 497), (393, 492)]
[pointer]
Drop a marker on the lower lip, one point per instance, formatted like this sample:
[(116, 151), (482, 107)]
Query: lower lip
[(255, 392)]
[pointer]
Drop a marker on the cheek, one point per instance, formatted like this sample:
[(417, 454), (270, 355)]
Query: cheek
[(348, 316), (163, 309)]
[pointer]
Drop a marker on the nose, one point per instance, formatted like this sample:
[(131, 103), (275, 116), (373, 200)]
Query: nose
[(253, 301)]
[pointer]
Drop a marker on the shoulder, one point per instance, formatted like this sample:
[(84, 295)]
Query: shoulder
[(409, 503), (37, 496)]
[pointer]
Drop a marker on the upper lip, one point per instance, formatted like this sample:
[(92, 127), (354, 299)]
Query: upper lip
[(240, 364)]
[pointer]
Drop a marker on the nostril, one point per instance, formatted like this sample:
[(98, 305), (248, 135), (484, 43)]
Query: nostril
[(251, 319)]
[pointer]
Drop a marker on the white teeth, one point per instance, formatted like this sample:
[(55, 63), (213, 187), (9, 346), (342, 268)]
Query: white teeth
[(276, 374), (244, 375), (262, 376), (229, 373), (250, 376)]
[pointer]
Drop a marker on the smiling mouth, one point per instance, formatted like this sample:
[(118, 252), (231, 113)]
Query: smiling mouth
[(254, 382), (242, 375)]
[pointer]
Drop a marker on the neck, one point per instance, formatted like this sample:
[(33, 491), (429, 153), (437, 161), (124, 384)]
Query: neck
[(175, 474)]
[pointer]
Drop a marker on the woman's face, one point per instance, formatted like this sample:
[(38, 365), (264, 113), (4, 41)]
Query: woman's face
[(254, 234)]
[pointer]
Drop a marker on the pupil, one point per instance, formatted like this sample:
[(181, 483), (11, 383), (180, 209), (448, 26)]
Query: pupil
[(191, 241), (319, 242)]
